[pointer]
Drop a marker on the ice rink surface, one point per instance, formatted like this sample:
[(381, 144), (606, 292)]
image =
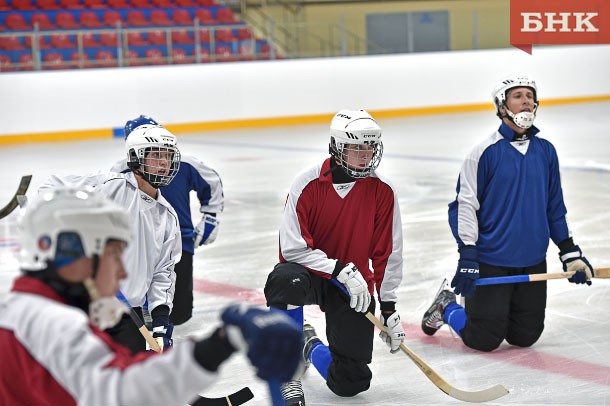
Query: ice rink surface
[(569, 365)]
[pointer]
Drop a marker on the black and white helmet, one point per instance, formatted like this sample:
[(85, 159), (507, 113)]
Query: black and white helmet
[(356, 130), (523, 119), (156, 140)]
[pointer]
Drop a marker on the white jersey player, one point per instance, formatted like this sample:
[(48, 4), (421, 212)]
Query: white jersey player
[(154, 159)]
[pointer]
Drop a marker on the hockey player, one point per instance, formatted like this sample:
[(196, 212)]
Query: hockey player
[(509, 203), (340, 216), (53, 354), (153, 159), (193, 175)]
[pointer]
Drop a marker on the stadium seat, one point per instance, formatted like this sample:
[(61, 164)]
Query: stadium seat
[(111, 18), (89, 41), (179, 56), (163, 3), (11, 43), (15, 21), (224, 54), (182, 37), (136, 18), (154, 57), (225, 16), (118, 4), (53, 60), (160, 18), (135, 39), (4, 6), (157, 37), (105, 59), (132, 58), (204, 36), (224, 35), (26, 62), (6, 65), (186, 3), (205, 16), (78, 60), (89, 19), (207, 3), (182, 17), (66, 20), (95, 4), (71, 4), (47, 5), (62, 41), (244, 34), (141, 3), (22, 5), (109, 39), (245, 52), (42, 42), (43, 21)]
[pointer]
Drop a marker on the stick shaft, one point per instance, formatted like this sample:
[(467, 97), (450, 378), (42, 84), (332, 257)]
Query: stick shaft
[(602, 273), (21, 190), (154, 345)]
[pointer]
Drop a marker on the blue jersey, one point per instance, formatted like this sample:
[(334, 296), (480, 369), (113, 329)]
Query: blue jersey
[(193, 175), (509, 200)]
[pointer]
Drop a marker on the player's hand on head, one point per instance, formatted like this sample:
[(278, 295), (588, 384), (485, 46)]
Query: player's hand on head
[(467, 272), (356, 286), (272, 341)]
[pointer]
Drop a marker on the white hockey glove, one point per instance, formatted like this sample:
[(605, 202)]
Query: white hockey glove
[(394, 334), (360, 298), (206, 230)]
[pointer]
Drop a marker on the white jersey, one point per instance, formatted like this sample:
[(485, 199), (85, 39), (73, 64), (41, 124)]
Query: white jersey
[(156, 246), (52, 355)]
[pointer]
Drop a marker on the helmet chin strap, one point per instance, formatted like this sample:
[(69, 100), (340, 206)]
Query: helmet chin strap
[(524, 119)]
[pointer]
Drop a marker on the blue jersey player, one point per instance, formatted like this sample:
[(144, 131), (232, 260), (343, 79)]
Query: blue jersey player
[(509, 204)]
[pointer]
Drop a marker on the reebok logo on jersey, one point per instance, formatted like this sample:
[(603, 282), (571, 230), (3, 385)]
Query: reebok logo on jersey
[(146, 198)]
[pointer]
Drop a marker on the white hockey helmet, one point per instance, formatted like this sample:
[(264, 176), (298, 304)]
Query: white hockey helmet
[(523, 119), (147, 139), (356, 130), (66, 223)]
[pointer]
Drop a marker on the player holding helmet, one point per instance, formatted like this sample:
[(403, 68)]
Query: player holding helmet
[(341, 215), (70, 260), (509, 204), (154, 159)]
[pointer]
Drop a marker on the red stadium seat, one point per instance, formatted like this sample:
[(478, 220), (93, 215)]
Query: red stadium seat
[(118, 4), (186, 3), (136, 18), (225, 16), (71, 4), (154, 57), (6, 65), (54, 60), (182, 37), (66, 20), (224, 35), (15, 21), (23, 5), (62, 41), (111, 18), (157, 37), (205, 16), (109, 39), (89, 41), (47, 5), (224, 54), (204, 36), (163, 3), (43, 21), (26, 62), (95, 4), (88, 19), (42, 42), (135, 39), (207, 3), (160, 18), (78, 60), (132, 58), (141, 3), (182, 17), (244, 34), (11, 43), (180, 56), (105, 59), (4, 6), (246, 53)]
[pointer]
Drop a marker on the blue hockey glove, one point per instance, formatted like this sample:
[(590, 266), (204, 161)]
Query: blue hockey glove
[(162, 331), (206, 230), (467, 272), (272, 341), (572, 260)]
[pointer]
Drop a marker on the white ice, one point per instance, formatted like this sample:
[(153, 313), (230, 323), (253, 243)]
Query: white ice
[(569, 365)]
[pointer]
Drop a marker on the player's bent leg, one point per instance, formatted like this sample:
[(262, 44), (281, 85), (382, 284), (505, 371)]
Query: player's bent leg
[(288, 286), (483, 334), (182, 309)]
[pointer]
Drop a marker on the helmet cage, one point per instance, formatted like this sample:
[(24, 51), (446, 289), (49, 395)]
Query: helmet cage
[(151, 171), (343, 151)]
